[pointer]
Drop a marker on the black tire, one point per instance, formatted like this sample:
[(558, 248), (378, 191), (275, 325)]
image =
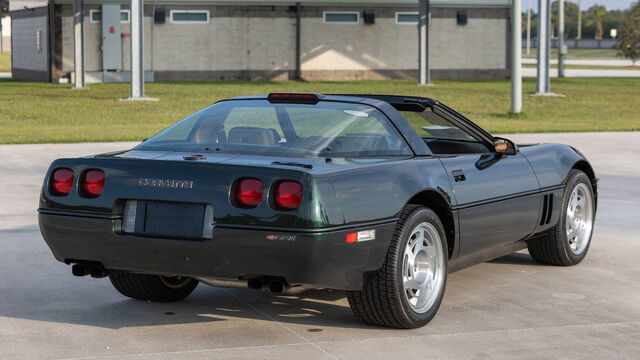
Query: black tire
[(554, 248), (152, 287), (383, 301)]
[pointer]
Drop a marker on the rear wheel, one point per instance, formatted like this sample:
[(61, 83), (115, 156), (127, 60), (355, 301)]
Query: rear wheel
[(407, 291), (568, 242), (152, 287)]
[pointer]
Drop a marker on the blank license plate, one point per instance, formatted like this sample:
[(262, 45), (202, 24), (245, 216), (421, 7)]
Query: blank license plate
[(167, 219)]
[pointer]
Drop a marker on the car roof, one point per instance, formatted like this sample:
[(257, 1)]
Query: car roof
[(400, 102)]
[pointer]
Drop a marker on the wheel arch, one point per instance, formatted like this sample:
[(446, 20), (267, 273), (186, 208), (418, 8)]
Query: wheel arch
[(436, 202), (585, 167)]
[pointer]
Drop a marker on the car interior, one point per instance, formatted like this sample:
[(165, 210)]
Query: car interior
[(440, 135)]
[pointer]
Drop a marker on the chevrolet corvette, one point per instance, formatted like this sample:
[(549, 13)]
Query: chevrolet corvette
[(379, 196)]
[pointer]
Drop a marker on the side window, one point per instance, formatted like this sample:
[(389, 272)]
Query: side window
[(430, 125), (441, 135)]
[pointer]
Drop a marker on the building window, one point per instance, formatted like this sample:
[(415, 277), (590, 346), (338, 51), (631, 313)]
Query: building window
[(407, 18), (39, 40), (341, 17), (96, 16), (190, 16)]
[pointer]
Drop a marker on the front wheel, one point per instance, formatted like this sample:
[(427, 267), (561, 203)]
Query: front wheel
[(568, 242), (407, 291), (152, 287)]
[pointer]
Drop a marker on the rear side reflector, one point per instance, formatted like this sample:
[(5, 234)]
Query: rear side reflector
[(288, 195), (249, 192), (293, 98), (360, 236), (62, 181), (93, 183)]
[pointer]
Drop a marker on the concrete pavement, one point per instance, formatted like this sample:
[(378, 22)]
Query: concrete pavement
[(633, 72), (508, 308), (595, 62), (585, 73)]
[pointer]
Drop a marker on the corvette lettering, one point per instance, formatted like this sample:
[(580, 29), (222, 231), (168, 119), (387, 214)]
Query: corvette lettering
[(179, 184)]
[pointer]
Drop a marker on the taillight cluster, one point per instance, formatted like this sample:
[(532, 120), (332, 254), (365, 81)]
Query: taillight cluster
[(91, 182), (248, 193), (62, 181)]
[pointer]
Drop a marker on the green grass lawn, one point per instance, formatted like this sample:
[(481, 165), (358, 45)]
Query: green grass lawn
[(5, 62), (42, 112), (582, 54)]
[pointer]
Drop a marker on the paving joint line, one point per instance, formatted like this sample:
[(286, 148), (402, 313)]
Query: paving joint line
[(282, 325)]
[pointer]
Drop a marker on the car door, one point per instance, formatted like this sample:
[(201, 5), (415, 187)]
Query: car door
[(497, 195)]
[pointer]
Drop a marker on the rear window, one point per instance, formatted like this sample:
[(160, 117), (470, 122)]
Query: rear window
[(262, 128)]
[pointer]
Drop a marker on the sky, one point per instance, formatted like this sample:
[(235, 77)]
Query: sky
[(585, 4)]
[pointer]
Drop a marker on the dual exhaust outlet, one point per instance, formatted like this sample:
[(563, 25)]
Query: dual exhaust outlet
[(96, 271), (273, 285)]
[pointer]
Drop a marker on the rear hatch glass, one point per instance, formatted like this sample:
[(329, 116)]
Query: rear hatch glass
[(327, 129)]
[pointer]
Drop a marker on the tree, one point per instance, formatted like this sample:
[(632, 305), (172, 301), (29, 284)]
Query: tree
[(570, 18), (629, 38), (596, 17)]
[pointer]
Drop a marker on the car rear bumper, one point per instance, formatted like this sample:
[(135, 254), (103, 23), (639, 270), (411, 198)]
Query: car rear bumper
[(313, 258)]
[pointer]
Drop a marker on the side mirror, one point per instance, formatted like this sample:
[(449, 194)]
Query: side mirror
[(504, 146)]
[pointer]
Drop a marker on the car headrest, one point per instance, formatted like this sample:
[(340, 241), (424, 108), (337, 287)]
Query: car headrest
[(253, 135)]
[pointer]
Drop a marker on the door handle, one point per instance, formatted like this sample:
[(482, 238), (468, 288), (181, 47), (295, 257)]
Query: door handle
[(458, 175)]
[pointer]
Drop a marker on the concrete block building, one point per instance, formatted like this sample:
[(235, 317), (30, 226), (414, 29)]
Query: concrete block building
[(198, 40)]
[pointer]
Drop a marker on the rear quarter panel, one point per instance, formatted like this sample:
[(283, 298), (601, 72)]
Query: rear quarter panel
[(379, 190)]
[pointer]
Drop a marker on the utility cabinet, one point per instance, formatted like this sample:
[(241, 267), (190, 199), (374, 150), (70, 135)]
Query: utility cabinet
[(111, 38)]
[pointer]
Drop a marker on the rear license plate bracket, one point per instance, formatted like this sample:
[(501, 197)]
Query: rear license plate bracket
[(170, 219)]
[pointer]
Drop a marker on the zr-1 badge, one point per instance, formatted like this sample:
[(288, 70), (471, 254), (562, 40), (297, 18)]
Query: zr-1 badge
[(281, 237)]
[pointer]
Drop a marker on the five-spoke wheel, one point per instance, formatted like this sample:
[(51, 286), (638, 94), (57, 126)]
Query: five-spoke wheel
[(567, 243), (407, 291)]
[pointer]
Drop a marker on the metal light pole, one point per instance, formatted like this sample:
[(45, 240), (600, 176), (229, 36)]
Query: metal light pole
[(424, 21), (528, 27), (78, 44), (543, 83), (579, 21), (137, 69), (516, 57), (562, 50)]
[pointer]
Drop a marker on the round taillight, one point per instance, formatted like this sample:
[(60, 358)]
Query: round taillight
[(249, 192), (93, 183), (62, 181), (288, 195)]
